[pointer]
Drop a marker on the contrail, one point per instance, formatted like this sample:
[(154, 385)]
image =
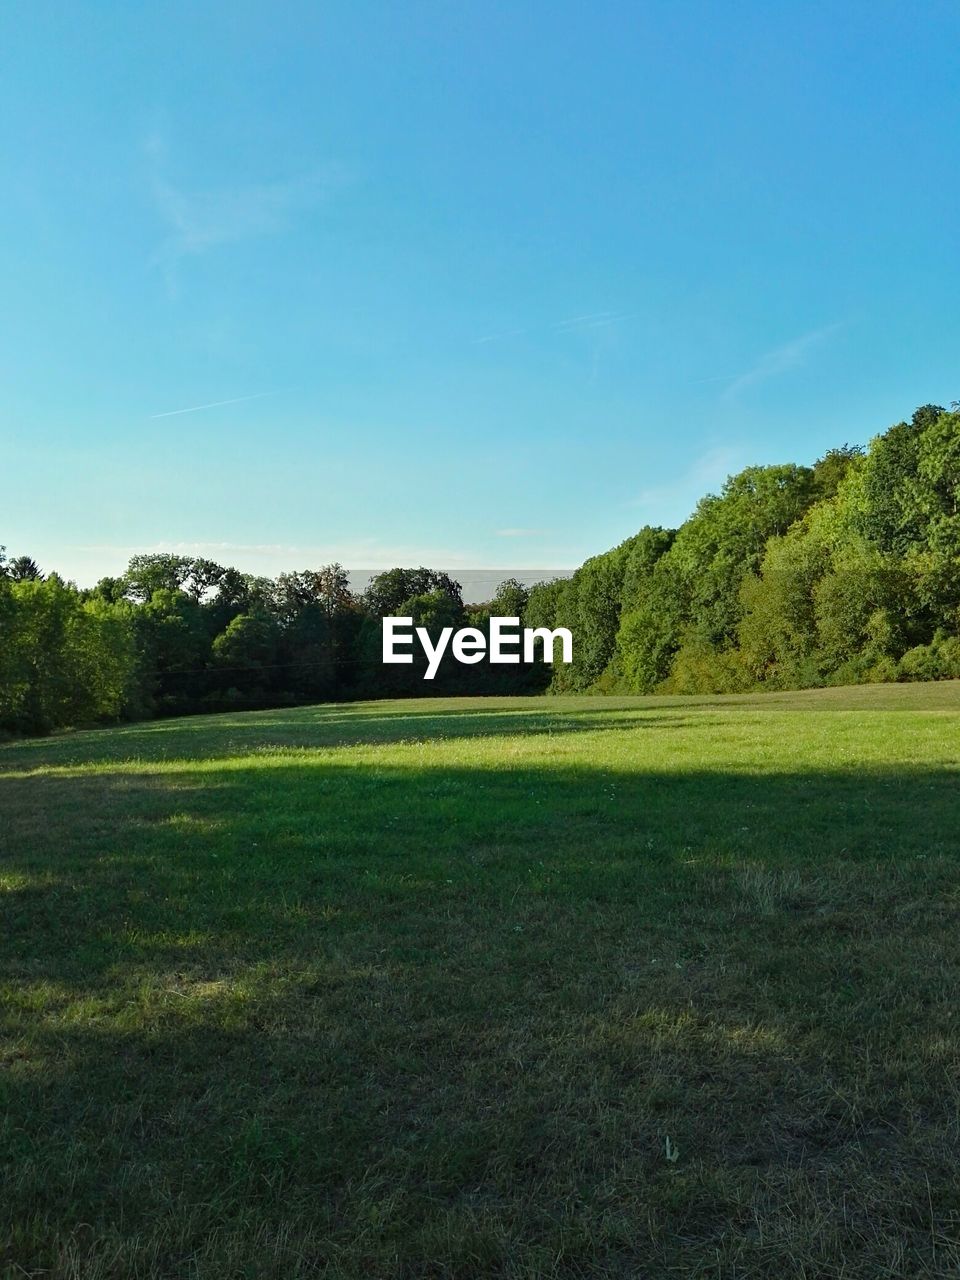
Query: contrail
[(591, 315), (495, 337), (214, 404)]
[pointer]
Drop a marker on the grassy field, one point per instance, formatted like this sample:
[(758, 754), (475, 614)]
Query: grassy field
[(526, 988)]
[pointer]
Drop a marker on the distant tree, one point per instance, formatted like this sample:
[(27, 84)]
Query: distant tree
[(938, 466), (326, 588), (320, 618), (233, 589), (642, 552), (295, 592), (778, 632), (331, 589), (246, 652), (553, 604), (511, 599), (433, 610), (692, 597), (111, 590), (202, 577), (240, 593), (24, 569), (175, 647), (156, 572), (926, 416), (249, 640), (830, 470), (908, 481), (544, 602), (64, 661), (387, 591)]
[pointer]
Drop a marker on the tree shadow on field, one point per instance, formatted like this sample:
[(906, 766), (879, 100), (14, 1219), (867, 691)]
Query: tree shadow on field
[(214, 737), (188, 849), (441, 1021), (425, 719)]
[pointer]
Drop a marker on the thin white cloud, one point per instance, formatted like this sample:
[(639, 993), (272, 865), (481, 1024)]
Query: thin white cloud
[(367, 552), (574, 324), (497, 337), (791, 355), (86, 563), (214, 404), (593, 320), (201, 220), (584, 319), (198, 220), (142, 548)]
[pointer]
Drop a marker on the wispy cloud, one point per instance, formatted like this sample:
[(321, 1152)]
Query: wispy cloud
[(184, 547), (276, 556), (497, 337), (591, 320), (198, 220), (521, 533), (85, 563), (201, 220), (790, 355), (214, 404)]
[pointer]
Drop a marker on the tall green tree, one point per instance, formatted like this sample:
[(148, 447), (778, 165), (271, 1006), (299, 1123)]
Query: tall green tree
[(24, 569), (156, 572), (387, 591)]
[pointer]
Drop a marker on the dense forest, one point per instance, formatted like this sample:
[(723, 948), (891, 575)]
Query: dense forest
[(792, 576), (179, 634), (840, 573)]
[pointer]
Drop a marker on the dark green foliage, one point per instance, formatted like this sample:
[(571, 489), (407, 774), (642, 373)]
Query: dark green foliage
[(188, 634), (63, 660), (387, 591), (939, 660), (110, 590), (23, 569), (245, 654), (642, 553), (635, 609), (830, 470), (511, 599), (149, 573)]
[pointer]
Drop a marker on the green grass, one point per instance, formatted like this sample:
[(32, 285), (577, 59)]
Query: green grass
[(423, 989)]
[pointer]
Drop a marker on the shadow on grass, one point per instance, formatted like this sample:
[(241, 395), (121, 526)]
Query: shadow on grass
[(115, 864), (442, 1020), (213, 737), (341, 724)]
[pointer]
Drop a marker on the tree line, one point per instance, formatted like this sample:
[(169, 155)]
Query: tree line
[(844, 572), (180, 634), (792, 576)]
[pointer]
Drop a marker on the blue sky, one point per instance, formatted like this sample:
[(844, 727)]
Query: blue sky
[(468, 284)]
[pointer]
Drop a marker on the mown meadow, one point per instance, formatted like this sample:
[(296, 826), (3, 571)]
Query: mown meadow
[(532, 987)]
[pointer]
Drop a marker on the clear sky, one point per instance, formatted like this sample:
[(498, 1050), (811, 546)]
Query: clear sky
[(461, 283)]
